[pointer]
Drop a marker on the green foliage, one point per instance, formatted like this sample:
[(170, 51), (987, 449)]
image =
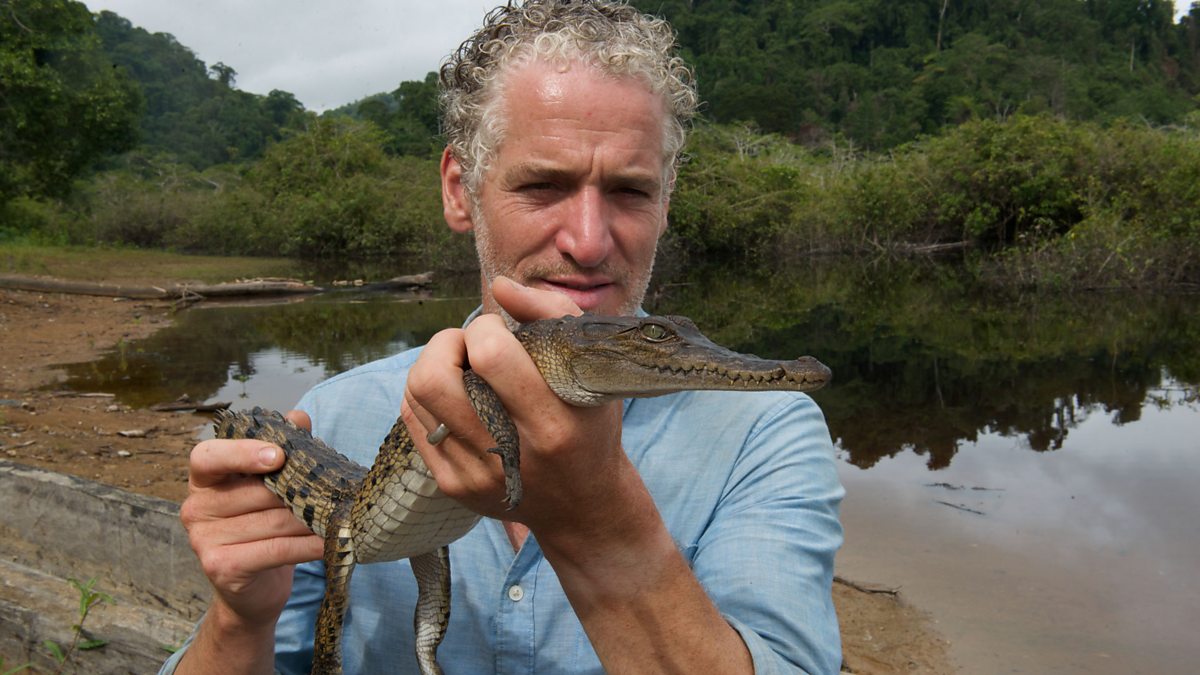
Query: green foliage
[(31, 219), (408, 117), (329, 191), (4, 670), (89, 599), (332, 191), (882, 72), (735, 192), (1063, 203), (143, 201), (62, 107), (997, 182)]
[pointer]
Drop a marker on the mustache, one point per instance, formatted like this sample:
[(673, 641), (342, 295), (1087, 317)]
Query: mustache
[(566, 268)]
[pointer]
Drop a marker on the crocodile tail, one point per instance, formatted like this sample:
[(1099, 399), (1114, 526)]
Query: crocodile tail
[(313, 477)]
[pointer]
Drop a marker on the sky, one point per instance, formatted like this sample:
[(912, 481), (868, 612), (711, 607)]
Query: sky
[(326, 53)]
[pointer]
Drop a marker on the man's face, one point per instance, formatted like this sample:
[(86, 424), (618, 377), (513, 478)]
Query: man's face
[(574, 200)]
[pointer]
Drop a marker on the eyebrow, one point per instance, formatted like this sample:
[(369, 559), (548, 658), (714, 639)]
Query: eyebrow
[(532, 170)]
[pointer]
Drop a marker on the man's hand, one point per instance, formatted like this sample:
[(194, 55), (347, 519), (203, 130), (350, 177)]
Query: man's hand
[(247, 542), (570, 456)]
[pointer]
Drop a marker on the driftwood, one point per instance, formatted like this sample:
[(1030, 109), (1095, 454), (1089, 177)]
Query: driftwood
[(195, 292), (166, 292), (874, 589), (193, 406), (402, 283)]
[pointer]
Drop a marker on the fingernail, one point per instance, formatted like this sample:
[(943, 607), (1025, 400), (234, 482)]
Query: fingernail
[(267, 455)]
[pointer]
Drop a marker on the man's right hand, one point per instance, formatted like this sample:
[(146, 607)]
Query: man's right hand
[(247, 541)]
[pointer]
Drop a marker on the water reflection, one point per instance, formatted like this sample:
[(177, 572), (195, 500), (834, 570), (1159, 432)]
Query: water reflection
[(1078, 414), (920, 364), (265, 354)]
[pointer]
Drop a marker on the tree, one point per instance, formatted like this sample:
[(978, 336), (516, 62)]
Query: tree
[(62, 106), (226, 75)]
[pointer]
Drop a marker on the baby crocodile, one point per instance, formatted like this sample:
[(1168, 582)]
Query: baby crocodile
[(395, 510)]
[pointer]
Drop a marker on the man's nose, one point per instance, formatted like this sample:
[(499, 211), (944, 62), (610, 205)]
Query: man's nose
[(586, 236)]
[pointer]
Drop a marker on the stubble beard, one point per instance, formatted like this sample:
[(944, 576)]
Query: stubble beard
[(636, 282)]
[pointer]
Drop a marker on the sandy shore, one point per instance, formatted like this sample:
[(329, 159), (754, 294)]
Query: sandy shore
[(146, 451)]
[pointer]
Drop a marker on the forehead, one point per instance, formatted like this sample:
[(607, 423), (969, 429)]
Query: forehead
[(570, 100)]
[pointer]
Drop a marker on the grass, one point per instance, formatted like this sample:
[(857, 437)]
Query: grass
[(131, 265)]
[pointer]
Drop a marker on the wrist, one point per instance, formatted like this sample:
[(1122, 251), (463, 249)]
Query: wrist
[(622, 547), (226, 622), (229, 642)]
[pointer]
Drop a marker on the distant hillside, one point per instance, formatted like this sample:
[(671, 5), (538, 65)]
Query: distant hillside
[(876, 72), (192, 111), (882, 72)]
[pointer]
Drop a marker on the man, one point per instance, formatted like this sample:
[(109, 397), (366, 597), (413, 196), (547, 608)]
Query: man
[(687, 533)]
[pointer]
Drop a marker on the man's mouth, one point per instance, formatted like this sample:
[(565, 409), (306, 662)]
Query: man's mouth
[(588, 293)]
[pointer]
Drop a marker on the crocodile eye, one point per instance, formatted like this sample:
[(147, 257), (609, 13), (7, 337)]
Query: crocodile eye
[(654, 332)]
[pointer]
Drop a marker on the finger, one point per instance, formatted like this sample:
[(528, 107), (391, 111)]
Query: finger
[(435, 393), (220, 529), (236, 560), (214, 461), (268, 553), (300, 419), (530, 304), (234, 496), (502, 361)]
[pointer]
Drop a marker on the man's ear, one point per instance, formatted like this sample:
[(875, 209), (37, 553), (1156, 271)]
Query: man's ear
[(456, 205)]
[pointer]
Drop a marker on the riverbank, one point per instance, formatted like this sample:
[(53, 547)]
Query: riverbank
[(146, 452)]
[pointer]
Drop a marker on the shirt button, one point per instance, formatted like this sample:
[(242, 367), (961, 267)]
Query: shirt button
[(515, 593)]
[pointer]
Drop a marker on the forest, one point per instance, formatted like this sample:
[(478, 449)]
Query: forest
[(1049, 143)]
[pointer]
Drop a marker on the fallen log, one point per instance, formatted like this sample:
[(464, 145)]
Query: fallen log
[(400, 283), (166, 292)]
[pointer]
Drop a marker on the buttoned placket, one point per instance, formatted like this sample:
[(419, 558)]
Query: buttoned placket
[(514, 624)]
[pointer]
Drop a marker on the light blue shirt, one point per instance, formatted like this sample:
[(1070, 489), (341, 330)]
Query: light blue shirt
[(745, 482)]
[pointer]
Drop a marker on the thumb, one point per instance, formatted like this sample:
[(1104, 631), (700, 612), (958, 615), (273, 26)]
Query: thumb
[(300, 419)]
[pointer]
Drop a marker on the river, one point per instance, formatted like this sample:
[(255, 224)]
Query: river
[(1021, 465)]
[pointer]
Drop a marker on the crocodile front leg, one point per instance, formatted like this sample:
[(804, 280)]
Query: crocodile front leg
[(339, 566), (508, 446)]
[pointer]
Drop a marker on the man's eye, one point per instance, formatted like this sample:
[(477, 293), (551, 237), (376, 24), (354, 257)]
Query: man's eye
[(634, 192)]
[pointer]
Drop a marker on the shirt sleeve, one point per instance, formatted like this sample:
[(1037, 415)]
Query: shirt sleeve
[(766, 559)]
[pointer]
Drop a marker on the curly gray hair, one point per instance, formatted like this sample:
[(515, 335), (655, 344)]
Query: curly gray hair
[(607, 34)]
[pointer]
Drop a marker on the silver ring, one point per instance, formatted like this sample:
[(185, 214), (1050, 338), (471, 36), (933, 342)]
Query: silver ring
[(438, 435)]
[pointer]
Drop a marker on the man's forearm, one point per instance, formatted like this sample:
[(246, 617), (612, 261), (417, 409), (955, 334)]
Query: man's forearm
[(223, 644), (643, 609)]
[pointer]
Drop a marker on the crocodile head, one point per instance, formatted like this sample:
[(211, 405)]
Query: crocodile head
[(590, 360)]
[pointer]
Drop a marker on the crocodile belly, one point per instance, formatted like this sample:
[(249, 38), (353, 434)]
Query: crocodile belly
[(408, 515)]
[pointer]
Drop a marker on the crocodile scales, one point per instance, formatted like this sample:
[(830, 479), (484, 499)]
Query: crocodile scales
[(395, 510)]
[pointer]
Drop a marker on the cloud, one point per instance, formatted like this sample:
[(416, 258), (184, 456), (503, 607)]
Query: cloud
[(325, 53)]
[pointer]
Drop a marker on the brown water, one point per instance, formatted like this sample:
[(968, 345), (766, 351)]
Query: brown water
[(1080, 561)]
